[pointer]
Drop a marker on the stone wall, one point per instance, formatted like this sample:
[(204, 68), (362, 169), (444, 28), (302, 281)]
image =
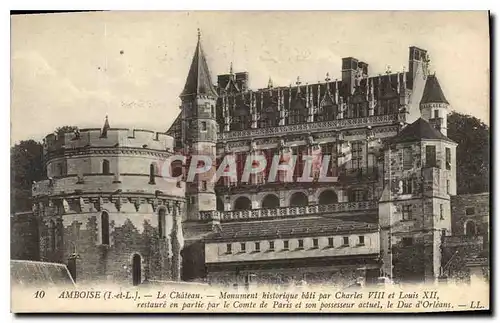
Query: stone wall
[(129, 234), (470, 207)]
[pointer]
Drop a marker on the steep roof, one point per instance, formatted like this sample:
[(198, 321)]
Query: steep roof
[(291, 227), (198, 80), (417, 131), (36, 273), (433, 92)]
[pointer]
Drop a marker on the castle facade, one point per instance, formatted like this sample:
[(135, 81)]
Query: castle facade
[(110, 212)]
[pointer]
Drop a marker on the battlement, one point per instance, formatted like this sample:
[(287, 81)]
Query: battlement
[(113, 137)]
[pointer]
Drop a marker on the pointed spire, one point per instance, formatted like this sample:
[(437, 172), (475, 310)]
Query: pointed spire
[(198, 80), (270, 83), (433, 92), (231, 68), (105, 128)]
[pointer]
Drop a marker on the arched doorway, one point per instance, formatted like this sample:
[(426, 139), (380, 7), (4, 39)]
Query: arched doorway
[(136, 269), (270, 201), (220, 205), (242, 203), (328, 197), (470, 228), (298, 199)]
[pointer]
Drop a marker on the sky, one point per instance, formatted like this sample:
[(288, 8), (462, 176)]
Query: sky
[(76, 68)]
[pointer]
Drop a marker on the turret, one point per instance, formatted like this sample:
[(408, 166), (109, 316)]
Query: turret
[(433, 105), (199, 131), (414, 210)]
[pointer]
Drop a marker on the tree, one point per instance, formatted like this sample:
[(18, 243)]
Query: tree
[(65, 129), (26, 166), (473, 152)]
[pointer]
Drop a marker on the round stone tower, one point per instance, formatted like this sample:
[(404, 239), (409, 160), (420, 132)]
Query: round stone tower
[(108, 207)]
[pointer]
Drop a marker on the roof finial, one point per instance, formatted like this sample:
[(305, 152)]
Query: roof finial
[(199, 34), (298, 81), (231, 68), (270, 83), (388, 69), (328, 79)]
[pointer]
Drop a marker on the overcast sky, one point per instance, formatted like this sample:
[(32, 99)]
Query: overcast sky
[(76, 68)]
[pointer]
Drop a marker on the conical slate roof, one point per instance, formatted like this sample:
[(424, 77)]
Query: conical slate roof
[(433, 92), (198, 80), (417, 131)]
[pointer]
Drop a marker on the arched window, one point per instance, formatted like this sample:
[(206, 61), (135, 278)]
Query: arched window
[(470, 228), (136, 269), (298, 199), (220, 204), (176, 168), (161, 223), (270, 201), (105, 228), (327, 197), (105, 167), (152, 173), (242, 203)]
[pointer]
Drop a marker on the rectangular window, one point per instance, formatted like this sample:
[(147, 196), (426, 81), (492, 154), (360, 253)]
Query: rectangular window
[(407, 186), (441, 212), (330, 242), (448, 186), (407, 213), (357, 196), (407, 158), (271, 245), (430, 156), (357, 155), (448, 158), (204, 185), (257, 246), (243, 247), (301, 244), (407, 241), (229, 248), (436, 114), (361, 240), (470, 210), (203, 126), (346, 241), (315, 243), (285, 245)]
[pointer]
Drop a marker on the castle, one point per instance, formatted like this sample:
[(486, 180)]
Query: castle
[(108, 211)]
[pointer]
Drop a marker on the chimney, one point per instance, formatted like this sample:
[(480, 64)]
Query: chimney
[(417, 56), (350, 68)]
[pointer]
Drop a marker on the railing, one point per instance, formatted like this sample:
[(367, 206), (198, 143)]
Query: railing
[(325, 125), (451, 241), (288, 211)]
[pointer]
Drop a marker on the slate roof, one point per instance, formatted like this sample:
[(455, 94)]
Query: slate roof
[(198, 80), (417, 131), (433, 92), (37, 273), (291, 227)]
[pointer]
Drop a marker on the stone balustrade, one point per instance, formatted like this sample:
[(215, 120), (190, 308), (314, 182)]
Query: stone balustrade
[(288, 211), (311, 127)]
